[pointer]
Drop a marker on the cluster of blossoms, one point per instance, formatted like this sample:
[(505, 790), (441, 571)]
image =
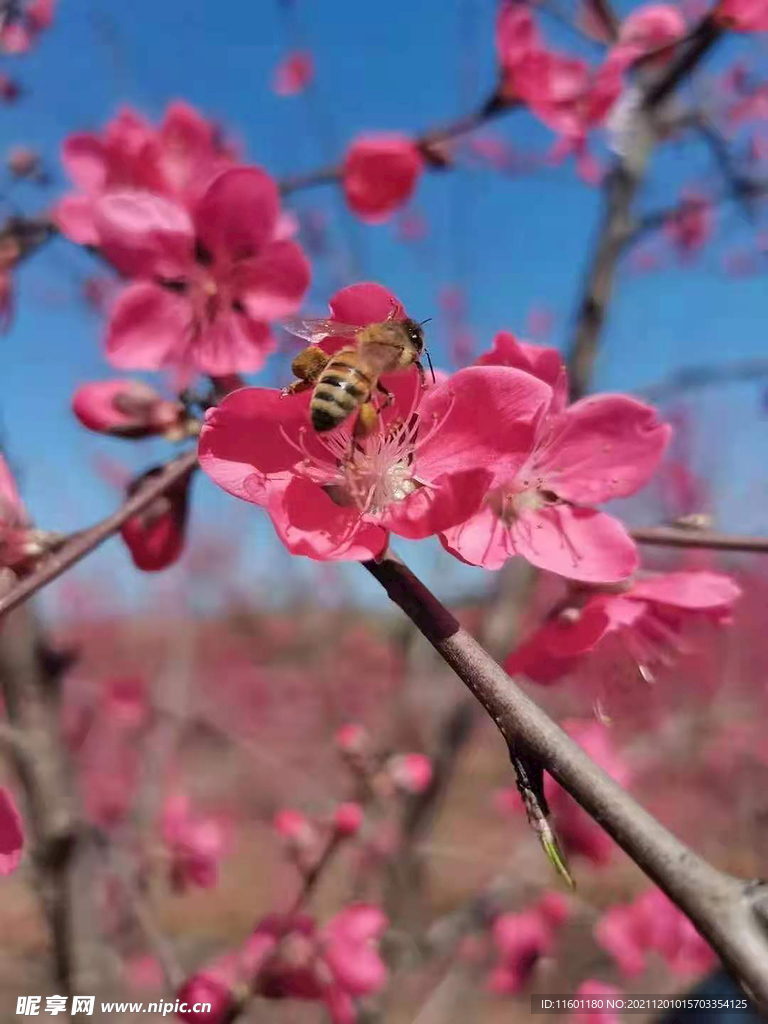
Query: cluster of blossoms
[(564, 92), (490, 459), (199, 236), (521, 939), (22, 21), (288, 956)]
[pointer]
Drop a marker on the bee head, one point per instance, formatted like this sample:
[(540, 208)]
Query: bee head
[(415, 333)]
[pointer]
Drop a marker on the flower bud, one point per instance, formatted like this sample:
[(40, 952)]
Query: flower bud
[(347, 819), (155, 536), (127, 408), (411, 773)]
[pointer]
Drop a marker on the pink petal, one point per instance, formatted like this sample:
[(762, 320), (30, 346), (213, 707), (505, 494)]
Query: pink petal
[(244, 444), (481, 540), (84, 161), (365, 303), (451, 499), (144, 235), (74, 218), (11, 833), (273, 284), (238, 213), (148, 324), (581, 544), (11, 507), (500, 439), (555, 648), (309, 523), (544, 363), (155, 537), (233, 343), (603, 447), (358, 922), (693, 590)]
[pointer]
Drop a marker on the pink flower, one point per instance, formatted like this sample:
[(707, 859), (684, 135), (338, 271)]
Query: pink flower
[(653, 924), (517, 38), (353, 739), (155, 536), (425, 468), (195, 844), (597, 990), (546, 480), (544, 363), (380, 174), (294, 73), (206, 281), (127, 408), (11, 834), (348, 819), (647, 617), (521, 939), (177, 160), (296, 829), (335, 966), (743, 15), (23, 23), (691, 226), (412, 773), (651, 29)]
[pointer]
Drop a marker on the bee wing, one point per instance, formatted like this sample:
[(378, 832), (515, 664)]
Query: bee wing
[(312, 330)]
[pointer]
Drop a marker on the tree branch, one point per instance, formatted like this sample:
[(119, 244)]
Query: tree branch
[(81, 544), (726, 910), (493, 107), (621, 187), (677, 537)]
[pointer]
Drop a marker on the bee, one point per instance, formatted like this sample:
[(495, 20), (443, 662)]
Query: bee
[(345, 381)]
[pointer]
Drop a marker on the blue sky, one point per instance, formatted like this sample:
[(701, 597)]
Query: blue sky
[(512, 243)]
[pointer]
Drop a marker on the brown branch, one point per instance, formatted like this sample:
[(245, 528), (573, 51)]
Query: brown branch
[(82, 543), (691, 378), (63, 853), (728, 911), (427, 143), (677, 537), (621, 187)]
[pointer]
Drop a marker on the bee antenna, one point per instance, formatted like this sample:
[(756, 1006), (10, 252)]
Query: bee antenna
[(421, 324), (429, 360)]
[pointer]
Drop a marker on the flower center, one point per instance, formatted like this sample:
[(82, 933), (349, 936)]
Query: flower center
[(511, 500)]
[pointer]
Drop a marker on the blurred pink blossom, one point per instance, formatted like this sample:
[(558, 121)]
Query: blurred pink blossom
[(11, 833), (294, 73), (380, 175)]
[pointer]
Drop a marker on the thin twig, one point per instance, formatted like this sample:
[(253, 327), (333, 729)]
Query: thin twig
[(82, 543), (728, 911), (426, 142), (677, 537)]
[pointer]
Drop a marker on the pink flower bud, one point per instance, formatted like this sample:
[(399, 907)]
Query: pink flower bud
[(353, 739), (155, 536), (348, 819), (380, 175), (126, 408), (295, 828), (205, 988), (294, 73), (411, 773)]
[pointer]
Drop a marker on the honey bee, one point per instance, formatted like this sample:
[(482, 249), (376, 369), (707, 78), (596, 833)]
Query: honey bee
[(345, 381)]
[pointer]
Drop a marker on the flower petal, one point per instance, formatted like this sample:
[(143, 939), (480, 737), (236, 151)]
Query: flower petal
[(579, 543), (144, 235), (365, 303), (451, 499), (309, 523), (84, 161), (147, 325), (273, 284), (244, 444), (74, 218), (233, 343), (693, 590), (602, 447), (238, 213), (483, 417)]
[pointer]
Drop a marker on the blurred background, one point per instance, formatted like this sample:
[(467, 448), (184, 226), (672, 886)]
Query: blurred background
[(213, 693)]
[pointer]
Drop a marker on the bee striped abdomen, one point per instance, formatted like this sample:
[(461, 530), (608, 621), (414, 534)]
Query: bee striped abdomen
[(341, 388)]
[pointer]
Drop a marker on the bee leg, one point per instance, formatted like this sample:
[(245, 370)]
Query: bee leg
[(366, 422), (390, 397), (297, 387)]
